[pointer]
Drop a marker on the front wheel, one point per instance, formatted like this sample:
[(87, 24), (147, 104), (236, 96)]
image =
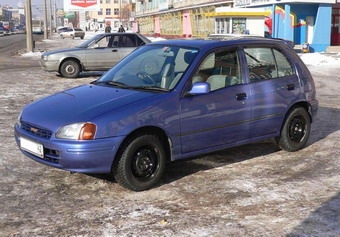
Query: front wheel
[(70, 69), (295, 131), (141, 164)]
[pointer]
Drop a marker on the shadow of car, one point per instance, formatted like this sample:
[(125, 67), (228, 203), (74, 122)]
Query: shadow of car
[(99, 53)]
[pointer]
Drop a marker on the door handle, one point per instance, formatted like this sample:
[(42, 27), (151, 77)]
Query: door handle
[(114, 50), (241, 96), (290, 87)]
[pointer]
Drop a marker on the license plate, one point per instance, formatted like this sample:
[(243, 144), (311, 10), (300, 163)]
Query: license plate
[(32, 147)]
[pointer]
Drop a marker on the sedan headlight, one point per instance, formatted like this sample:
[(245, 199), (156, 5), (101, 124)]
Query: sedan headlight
[(77, 131)]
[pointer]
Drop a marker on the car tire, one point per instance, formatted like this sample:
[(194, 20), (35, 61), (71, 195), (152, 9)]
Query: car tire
[(72, 36), (295, 131), (141, 163), (82, 37), (70, 69)]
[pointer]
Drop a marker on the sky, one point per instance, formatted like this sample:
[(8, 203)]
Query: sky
[(35, 3)]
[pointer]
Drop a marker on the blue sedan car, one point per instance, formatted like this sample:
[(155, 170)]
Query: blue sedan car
[(172, 100)]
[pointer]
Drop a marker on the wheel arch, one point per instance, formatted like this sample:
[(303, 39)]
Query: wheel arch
[(305, 105), (152, 130), (302, 104), (70, 58)]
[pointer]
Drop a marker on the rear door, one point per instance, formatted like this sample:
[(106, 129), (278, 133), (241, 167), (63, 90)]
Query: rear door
[(273, 85)]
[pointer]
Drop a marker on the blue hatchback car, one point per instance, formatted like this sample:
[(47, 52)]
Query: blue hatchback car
[(172, 100)]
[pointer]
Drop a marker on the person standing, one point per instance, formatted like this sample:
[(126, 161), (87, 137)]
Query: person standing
[(108, 29), (121, 29)]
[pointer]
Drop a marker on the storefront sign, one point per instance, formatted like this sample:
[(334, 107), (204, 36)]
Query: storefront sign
[(82, 5)]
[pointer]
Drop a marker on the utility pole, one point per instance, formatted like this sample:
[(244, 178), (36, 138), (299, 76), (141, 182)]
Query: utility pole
[(51, 27), (45, 20), (29, 33)]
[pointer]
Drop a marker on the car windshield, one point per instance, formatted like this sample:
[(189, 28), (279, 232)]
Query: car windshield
[(151, 67)]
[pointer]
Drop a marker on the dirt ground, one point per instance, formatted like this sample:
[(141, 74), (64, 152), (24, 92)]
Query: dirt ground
[(251, 190)]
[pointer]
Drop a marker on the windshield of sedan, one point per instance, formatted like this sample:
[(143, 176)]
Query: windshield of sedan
[(151, 67)]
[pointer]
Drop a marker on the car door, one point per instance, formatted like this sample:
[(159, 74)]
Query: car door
[(103, 54), (273, 85), (212, 120), (128, 43)]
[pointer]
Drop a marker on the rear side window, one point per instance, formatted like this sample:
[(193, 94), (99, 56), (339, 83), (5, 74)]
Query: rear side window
[(267, 63), (128, 41)]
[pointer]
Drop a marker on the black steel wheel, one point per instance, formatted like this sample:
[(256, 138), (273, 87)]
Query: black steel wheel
[(142, 163), (295, 131)]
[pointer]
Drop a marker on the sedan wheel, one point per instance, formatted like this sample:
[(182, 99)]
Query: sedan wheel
[(70, 69)]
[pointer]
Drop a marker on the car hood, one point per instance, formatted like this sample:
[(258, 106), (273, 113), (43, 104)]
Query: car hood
[(62, 51), (80, 104)]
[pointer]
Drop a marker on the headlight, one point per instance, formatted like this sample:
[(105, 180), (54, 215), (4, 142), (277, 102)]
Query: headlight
[(19, 119), (77, 131)]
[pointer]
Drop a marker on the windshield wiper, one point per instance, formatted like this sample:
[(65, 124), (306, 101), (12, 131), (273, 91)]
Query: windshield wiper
[(151, 88)]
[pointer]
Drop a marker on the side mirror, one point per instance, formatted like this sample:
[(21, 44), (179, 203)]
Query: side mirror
[(199, 88)]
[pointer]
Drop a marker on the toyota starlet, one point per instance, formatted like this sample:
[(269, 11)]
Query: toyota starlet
[(171, 100)]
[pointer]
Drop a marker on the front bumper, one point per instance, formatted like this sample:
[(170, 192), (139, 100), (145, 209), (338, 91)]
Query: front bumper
[(95, 156), (50, 66)]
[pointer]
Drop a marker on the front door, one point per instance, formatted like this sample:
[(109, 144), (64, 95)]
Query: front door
[(220, 117)]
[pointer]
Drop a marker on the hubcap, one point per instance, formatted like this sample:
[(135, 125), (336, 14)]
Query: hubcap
[(297, 129), (144, 163), (69, 69)]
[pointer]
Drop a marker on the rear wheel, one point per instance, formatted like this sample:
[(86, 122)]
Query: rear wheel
[(70, 69), (295, 131), (141, 164)]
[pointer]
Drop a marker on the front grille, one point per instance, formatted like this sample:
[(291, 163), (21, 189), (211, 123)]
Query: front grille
[(35, 130)]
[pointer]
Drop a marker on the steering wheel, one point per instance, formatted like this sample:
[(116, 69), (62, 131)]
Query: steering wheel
[(146, 77)]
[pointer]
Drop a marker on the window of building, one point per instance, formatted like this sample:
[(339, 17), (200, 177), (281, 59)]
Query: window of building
[(108, 1), (108, 11), (100, 12), (116, 1), (222, 26), (116, 11), (239, 25)]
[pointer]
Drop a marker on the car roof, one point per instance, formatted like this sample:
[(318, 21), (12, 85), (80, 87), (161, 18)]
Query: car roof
[(225, 41)]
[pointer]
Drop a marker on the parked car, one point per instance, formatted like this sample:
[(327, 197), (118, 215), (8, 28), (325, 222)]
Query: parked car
[(99, 53), (171, 100), (62, 29), (72, 33)]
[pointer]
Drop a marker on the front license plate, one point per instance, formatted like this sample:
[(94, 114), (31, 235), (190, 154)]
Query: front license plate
[(32, 147)]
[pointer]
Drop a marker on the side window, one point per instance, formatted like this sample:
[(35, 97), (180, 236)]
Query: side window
[(128, 41), (220, 69), (104, 42), (284, 67), (266, 63)]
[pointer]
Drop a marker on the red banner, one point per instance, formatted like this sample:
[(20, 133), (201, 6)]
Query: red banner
[(83, 3)]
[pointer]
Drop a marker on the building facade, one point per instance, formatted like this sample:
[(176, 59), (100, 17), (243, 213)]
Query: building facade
[(113, 12), (302, 21)]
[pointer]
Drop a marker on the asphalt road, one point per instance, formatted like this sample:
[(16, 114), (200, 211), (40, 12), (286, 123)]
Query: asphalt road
[(251, 190), (10, 46)]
